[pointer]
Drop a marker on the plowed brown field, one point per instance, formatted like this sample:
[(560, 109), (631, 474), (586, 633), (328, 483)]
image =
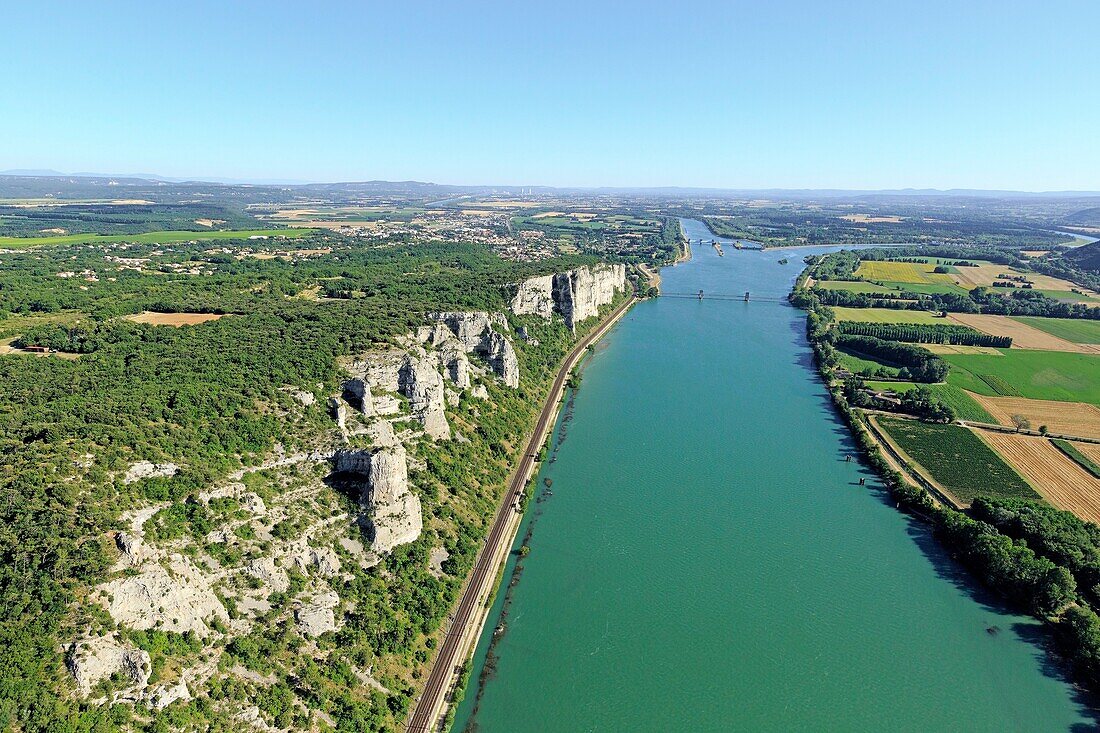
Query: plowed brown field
[(1066, 418), (1054, 475)]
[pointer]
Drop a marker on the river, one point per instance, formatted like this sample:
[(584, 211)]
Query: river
[(707, 560)]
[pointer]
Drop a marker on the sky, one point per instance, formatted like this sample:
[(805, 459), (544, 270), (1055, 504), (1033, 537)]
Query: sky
[(724, 94)]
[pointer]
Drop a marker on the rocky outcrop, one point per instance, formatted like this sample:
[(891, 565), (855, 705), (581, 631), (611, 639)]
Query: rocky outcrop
[(164, 695), (392, 510), (181, 600), (456, 365), (273, 577), (317, 616), (357, 392), (148, 469), (535, 297), (421, 382), (94, 659), (475, 332), (501, 357), (577, 294)]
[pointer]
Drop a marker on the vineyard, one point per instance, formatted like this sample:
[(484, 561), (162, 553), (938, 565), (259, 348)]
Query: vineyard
[(957, 459), (938, 333)]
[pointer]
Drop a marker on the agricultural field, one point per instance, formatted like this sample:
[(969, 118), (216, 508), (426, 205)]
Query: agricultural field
[(1069, 296), (1077, 330), (957, 459), (149, 237), (886, 315), (1038, 375), (986, 274), (1064, 418), (961, 349), (854, 286), (1057, 477), (1090, 450), (1073, 450), (964, 405), (1024, 334), (861, 363), (903, 272)]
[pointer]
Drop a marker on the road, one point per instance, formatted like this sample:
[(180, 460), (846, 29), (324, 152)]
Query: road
[(452, 652)]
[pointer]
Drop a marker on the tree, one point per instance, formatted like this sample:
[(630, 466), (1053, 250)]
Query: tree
[(1021, 423), (1043, 430)]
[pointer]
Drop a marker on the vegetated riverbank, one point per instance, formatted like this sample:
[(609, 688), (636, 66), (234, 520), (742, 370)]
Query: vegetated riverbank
[(1041, 560)]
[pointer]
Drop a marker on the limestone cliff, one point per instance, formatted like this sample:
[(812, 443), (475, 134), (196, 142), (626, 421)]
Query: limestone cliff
[(535, 296), (420, 381), (576, 294), (392, 510), (476, 332)]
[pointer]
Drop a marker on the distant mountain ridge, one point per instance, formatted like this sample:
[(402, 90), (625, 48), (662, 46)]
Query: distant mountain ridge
[(428, 187)]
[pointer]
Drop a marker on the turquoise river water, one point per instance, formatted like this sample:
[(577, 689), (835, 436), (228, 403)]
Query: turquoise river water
[(708, 562)]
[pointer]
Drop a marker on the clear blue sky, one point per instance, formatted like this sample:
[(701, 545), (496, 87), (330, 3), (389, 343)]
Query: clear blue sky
[(965, 93)]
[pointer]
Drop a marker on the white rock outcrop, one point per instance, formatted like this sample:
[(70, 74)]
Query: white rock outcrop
[(576, 294), (535, 296), (395, 513), (147, 469), (318, 616), (421, 382), (358, 390), (93, 659), (392, 510), (164, 695), (476, 332), (181, 600), (273, 577)]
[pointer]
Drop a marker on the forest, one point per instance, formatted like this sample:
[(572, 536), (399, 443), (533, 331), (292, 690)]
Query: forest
[(214, 398)]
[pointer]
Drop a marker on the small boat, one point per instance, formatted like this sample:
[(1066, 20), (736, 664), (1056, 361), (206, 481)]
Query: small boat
[(783, 261)]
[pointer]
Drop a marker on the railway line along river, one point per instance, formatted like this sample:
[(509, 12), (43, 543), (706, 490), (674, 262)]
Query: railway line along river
[(705, 560)]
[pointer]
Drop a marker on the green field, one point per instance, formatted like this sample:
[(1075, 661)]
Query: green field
[(857, 363), (963, 404), (927, 288), (854, 286), (149, 237), (1077, 330), (1068, 295), (957, 459), (885, 315), (1077, 456), (1039, 375)]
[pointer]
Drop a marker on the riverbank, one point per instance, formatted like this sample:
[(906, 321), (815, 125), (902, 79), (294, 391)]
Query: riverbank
[(468, 620)]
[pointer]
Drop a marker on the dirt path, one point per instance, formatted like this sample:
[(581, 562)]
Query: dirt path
[(471, 612)]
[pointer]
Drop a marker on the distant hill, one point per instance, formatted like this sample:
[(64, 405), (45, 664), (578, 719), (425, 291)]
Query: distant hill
[(1089, 217), (1087, 257)]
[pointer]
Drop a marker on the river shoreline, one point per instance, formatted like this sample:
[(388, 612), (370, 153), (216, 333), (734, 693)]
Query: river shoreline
[(436, 697)]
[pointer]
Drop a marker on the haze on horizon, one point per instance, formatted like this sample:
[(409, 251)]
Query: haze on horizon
[(727, 95)]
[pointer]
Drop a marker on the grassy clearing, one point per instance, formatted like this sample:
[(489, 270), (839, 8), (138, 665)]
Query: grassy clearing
[(1076, 330), (860, 364), (957, 459), (963, 404), (1038, 375), (15, 324), (149, 237), (885, 315)]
